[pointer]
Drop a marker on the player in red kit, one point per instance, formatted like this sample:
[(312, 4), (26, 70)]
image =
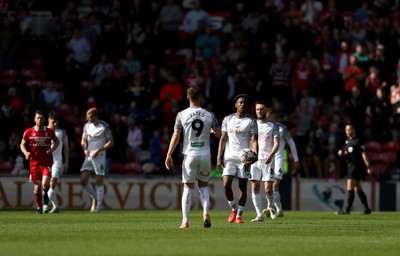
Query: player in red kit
[(36, 146)]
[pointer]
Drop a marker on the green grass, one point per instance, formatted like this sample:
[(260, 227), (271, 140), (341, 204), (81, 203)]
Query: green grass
[(157, 233)]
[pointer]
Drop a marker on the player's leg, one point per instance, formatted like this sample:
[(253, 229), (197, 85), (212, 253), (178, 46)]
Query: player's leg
[(257, 202), (362, 196), (277, 197), (99, 163), (37, 191), (203, 176), (242, 199), (55, 175), (35, 176), (228, 174), (269, 194), (45, 182), (255, 178), (189, 174), (87, 186), (350, 194), (52, 193), (99, 192), (186, 202)]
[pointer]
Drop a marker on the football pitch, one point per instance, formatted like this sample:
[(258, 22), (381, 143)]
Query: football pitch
[(157, 233)]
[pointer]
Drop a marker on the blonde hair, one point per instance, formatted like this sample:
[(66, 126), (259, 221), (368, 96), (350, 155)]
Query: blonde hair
[(92, 112)]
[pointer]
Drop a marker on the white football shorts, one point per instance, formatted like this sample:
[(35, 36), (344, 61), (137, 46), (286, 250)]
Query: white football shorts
[(196, 168), (96, 164), (261, 171), (235, 168)]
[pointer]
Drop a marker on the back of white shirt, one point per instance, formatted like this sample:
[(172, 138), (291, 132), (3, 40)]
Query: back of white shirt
[(196, 124), (284, 137), (239, 131)]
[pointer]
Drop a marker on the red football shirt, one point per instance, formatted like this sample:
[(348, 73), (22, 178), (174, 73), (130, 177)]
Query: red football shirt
[(39, 142)]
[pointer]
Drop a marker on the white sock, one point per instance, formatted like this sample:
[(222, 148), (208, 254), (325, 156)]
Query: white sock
[(270, 199), (240, 211), (205, 199), (89, 188), (255, 195), (52, 196), (233, 204), (277, 199), (100, 196), (186, 203)]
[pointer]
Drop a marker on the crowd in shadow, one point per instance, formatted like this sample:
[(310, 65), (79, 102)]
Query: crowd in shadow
[(318, 63)]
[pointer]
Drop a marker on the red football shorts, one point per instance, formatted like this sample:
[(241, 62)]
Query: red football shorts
[(38, 172)]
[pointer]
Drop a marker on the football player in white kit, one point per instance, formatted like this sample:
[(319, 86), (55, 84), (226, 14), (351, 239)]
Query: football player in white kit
[(196, 124), (285, 138), (263, 169), (60, 164), (96, 139), (239, 131)]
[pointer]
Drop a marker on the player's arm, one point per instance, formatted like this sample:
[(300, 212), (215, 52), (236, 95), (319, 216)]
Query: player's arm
[(254, 144), (367, 163), (24, 149), (295, 155), (84, 145), (55, 145), (273, 151), (169, 163), (217, 133), (221, 150)]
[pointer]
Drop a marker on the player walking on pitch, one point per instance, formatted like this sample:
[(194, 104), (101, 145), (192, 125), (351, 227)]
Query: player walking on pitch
[(239, 131), (196, 124), (263, 169), (60, 164), (357, 161), (38, 139), (279, 160), (96, 139)]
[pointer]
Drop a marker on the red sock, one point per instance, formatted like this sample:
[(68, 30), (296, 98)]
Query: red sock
[(38, 199)]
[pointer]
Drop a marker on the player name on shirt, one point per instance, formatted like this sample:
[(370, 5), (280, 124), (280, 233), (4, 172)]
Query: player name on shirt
[(237, 132), (197, 113)]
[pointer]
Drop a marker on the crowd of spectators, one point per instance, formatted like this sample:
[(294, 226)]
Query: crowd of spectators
[(319, 63)]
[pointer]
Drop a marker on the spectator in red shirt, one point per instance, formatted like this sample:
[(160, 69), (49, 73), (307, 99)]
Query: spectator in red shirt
[(171, 91), (303, 78)]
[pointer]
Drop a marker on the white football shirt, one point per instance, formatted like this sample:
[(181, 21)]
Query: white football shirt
[(196, 124), (239, 131), (63, 139), (97, 135), (267, 132), (285, 137)]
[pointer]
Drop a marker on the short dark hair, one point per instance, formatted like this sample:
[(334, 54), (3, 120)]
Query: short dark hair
[(194, 93), (54, 115), (263, 102), (39, 112), (242, 95)]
